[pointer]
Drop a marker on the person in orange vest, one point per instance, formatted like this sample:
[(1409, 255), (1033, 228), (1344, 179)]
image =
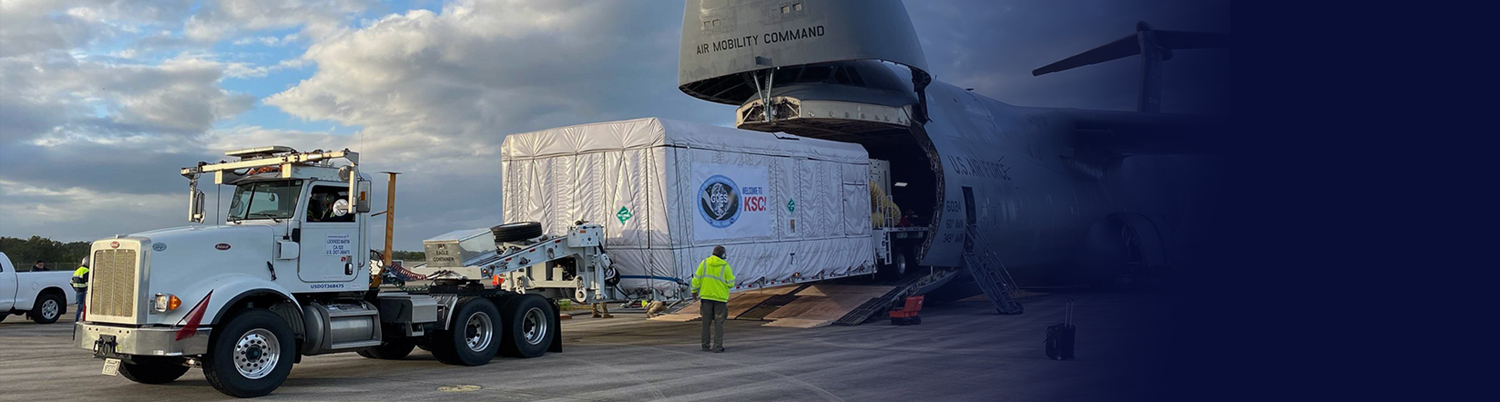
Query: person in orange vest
[(711, 284)]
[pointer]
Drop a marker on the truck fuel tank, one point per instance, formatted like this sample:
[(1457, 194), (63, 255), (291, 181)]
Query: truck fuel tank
[(339, 327)]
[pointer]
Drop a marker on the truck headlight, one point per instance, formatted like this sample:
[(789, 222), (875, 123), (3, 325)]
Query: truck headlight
[(166, 302)]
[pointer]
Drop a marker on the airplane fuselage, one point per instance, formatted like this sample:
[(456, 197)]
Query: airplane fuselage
[(1042, 187)]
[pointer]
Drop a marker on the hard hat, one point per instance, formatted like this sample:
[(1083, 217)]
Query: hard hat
[(85, 262)]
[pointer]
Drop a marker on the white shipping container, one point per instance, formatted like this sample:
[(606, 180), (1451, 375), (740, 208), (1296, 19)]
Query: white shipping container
[(787, 208)]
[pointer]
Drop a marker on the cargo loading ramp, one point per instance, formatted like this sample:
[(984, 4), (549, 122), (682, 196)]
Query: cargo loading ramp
[(812, 305)]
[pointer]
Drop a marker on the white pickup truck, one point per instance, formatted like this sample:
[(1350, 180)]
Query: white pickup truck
[(43, 296)]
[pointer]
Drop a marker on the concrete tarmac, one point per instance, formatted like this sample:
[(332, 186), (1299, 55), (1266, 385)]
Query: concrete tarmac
[(962, 351)]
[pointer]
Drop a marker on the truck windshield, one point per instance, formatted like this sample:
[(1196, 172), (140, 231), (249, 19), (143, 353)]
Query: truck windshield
[(265, 200)]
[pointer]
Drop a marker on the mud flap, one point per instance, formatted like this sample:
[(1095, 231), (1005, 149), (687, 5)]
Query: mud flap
[(556, 346)]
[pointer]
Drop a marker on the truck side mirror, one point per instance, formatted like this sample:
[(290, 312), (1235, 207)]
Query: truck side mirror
[(362, 203), (195, 206)]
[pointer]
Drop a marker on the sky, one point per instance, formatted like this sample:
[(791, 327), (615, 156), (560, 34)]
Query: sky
[(101, 102)]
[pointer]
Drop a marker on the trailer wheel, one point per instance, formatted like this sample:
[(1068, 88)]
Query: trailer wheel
[(251, 356), (528, 327), (516, 231), (48, 308), (153, 369), (472, 340), (390, 350), (897, 268)]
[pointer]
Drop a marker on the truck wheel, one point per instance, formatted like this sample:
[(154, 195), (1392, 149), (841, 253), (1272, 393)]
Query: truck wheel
[(472, 340), (528, 327), (153, 370), (390, 350), (48, 308), (251, 356), (516, 231)]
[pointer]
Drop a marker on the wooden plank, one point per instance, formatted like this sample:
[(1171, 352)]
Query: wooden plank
[(827, 302), (739, 302), (797, 323), (745, 301), (828, 290), (687, 313)]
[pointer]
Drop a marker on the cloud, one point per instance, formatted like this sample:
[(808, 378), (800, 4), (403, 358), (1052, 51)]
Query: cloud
[(56, 212), (435, 93), (57, 96), (246, 70), (224, 18), (268, 40), (82, 132), (478, 66), (30, 27)]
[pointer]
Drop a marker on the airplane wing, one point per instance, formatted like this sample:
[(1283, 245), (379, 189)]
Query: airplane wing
[(1130, 46)]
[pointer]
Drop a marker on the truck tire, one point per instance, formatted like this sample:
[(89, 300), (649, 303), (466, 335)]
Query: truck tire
[(48, 308), (516, 231), (472, 339), (390, 350), (251, 356), (153, 369), (528, 327)]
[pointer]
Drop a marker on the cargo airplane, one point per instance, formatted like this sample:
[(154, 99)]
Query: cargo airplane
[(1061, 195)]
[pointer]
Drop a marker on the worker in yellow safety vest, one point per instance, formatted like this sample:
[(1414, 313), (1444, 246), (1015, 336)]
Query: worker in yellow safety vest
[(711, 285), (81, 286)]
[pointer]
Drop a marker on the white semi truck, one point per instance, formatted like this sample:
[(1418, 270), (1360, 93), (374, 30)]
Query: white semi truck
[(287, 275)]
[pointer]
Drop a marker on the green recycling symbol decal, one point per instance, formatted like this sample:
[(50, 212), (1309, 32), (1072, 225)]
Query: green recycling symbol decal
[(624, 215), (791, 205)]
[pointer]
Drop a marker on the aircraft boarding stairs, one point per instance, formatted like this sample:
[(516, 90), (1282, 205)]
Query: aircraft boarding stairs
[(984, 264)]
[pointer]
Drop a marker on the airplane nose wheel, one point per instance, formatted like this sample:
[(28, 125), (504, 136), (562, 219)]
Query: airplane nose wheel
[(1134, 268)]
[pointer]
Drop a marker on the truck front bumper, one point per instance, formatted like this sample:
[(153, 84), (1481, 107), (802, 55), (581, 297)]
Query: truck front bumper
[(117, 341)]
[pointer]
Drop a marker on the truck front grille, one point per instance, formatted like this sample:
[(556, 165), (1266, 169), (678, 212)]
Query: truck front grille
[(112, 284)]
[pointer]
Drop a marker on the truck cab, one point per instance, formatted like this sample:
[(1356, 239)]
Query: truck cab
[(283, 273)]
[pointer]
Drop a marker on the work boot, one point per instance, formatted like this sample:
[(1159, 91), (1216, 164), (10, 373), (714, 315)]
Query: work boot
[(601, 310), (655, 308), (719, 349)]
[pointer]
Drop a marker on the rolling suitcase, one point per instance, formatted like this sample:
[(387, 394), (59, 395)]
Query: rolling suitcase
[(1060, 337)]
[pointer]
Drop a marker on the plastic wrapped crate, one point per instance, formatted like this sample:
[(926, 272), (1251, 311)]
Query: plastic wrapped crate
[(787, 208)]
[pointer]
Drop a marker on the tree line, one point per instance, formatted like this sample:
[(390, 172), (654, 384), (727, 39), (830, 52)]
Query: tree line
[(57, 256), (409, 258)]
